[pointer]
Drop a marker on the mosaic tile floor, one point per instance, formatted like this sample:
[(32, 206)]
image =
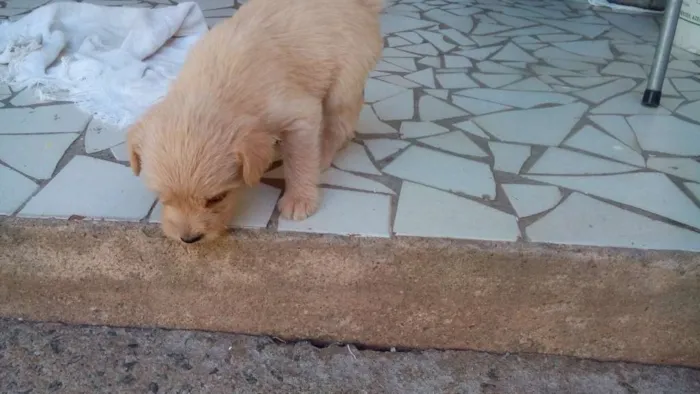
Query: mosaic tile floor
[(486, 119)]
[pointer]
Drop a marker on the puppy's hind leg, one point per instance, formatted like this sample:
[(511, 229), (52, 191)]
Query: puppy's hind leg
[(301, 156), (341, 111)]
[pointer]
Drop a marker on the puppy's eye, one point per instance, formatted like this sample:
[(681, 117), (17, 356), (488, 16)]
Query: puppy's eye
[(216, 199)]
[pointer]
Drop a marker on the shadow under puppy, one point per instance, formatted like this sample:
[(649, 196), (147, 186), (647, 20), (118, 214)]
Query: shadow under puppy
[(289, 71)]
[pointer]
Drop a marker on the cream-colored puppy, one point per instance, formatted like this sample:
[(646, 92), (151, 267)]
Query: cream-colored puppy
[(277, 70)]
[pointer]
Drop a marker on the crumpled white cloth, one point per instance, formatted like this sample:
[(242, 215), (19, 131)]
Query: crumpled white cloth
[(113, 62)]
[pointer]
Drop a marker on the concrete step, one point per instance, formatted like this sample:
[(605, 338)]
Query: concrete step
[(404, 293)]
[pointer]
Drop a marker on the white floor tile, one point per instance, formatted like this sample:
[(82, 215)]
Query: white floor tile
[(439, 93), (347, 213), (370, 124), (650, 191), (120, 152), (452, 61), (431, 61), (354, 158), (64, 118), (528, 200), (425, 49), (396, 23), (413, 37), (581, 220), (26, 97), (383, 148), (515, 98), (694, 188), (586, 82), (541, 126), (479, 53), (404, 63), (685, 168), (437, 40), (399, 107), (420, 129), (666, 134), (455, 142), (426, 212), (563, 161), (35, 155), (509, 157), (92, 188), (593, 140), (398, 81), (444, 171), (496, 68), (15, 189), (431, 108), (624, 69)]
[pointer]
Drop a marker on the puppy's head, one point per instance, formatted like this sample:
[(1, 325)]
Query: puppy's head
[(197, 166)]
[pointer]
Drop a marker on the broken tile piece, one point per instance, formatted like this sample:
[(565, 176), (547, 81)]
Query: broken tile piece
[(691, 110), (530, 84), (582, 220), (496, 80), (35, 155), (557, 161), (370, 124), (515, 98), (479, 53), (461, 23), (509, 157), (666, 134), (624, 69), (649, 191), (346, 212), (528, 200), (335, 177), (618, 127), (424, 77), (62, 118), (354, 158), (597, 48), (444, 171), (512, 52), (383, 148), (455, 142), (399, 107), (425, 48), (452, 61), (92, 188), (376, 90), (437, 40), (15, 189), (626, 104), (539, 126), (431, 108), (455, 81), (420, 129), (439, 93), (592, 140), (681, 167), (477, 107), (426, 212), (100, 136), (472, 129), (601, 93)]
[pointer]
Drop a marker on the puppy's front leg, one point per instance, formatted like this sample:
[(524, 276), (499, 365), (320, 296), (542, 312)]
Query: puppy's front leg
[(301, 155)]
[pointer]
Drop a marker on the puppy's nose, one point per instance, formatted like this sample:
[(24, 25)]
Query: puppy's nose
[(190, 239)]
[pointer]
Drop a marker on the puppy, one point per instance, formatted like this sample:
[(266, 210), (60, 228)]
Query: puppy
[(288, 71)]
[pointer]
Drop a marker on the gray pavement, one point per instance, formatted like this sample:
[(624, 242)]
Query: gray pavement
[(46, 358)]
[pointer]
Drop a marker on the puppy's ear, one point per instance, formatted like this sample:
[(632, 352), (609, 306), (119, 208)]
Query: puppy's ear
[(134, 140), (254, 149)]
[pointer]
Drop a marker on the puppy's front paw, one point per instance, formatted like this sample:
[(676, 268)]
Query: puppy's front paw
[(297, 207)]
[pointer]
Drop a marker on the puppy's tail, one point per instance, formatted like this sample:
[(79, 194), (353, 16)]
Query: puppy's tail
[(374, 5)]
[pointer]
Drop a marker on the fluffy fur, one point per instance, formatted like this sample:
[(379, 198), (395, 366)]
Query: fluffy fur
[(277, 70)]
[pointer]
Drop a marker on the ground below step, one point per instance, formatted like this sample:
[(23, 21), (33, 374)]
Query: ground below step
[(72, 359)]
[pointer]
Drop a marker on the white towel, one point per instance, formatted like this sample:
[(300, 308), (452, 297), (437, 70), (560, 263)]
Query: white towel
[(113, 62)]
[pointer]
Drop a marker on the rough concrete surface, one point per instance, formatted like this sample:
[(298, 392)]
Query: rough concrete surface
[(404, 293), (40, 358)]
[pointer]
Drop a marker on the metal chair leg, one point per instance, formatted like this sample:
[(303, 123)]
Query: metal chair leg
[(652, 95)]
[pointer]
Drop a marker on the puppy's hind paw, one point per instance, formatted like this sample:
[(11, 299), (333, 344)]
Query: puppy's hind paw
[(297, 207)]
